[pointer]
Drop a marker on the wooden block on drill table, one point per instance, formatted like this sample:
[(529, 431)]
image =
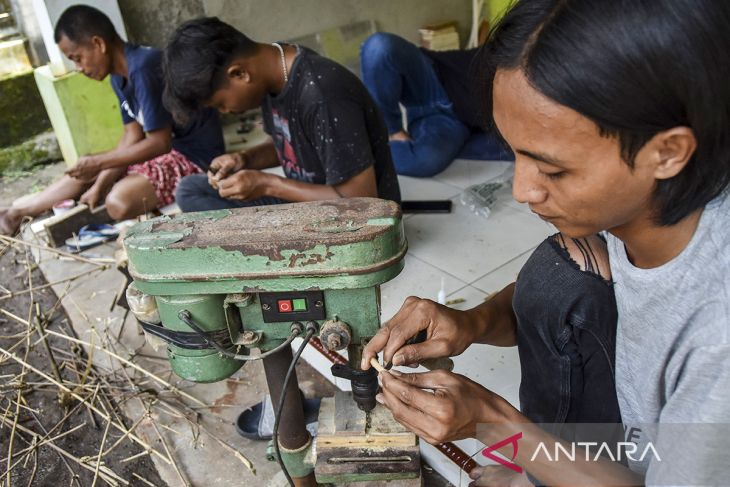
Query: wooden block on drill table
[(384, 466), (342, 424), (417, 482)]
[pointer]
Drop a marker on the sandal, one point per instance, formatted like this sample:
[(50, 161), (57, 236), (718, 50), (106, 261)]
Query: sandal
[(91, 235), (257, 422)]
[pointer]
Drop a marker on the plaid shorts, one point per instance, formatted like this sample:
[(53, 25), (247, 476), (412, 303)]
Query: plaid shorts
[(165, 172)]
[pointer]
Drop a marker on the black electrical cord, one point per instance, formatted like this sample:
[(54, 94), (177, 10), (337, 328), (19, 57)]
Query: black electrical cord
[(311, 330), (185, 316)]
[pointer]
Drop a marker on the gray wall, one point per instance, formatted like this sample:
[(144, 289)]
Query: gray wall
[(270, 20), (150, 22)]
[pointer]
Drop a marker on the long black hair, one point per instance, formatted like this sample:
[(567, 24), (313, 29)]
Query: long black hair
[(635, 68)]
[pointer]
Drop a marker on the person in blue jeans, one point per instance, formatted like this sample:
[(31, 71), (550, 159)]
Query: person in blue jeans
[(443, 117)]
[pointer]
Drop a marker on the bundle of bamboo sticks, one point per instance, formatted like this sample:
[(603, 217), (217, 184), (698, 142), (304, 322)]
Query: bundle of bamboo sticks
[(67, 371)]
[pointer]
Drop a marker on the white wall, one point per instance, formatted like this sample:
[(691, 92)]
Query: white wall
[(271, 20)]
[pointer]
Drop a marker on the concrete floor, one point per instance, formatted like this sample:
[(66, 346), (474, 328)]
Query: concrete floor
[(471, 255)]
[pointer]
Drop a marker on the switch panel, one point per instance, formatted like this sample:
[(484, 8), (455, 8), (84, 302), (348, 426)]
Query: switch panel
[(292, 306)]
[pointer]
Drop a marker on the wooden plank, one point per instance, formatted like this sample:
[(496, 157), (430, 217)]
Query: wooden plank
[(61, 227), (349, 419), (342, 424), (382, 423), (417, 482), (326, 419), (365, 441), (338, 465)]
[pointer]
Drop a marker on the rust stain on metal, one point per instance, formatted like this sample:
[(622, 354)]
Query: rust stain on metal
[(296, 259), (296, 273), (266, 231)]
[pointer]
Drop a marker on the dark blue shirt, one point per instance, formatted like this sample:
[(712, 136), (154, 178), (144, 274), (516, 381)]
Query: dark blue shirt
[(140, 100)]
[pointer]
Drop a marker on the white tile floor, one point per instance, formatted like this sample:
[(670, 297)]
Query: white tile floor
[(474, 256)]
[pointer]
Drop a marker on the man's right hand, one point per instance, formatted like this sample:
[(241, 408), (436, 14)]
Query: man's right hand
[(92, 196), (448, 333), (225, 165)]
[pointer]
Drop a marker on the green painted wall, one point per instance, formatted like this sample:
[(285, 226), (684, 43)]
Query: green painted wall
[(496, 8), (84, 113)]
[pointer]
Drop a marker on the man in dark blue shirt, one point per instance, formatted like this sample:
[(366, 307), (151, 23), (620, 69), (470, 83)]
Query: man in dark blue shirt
[(154, 153)]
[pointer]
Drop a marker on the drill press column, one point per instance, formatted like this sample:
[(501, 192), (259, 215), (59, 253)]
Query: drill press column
[(293, 434)]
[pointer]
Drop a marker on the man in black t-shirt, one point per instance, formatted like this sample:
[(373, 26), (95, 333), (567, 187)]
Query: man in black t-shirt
[(442, 109), (325, 130)]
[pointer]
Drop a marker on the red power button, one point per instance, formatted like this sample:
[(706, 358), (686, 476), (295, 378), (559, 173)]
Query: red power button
[(284, 305)]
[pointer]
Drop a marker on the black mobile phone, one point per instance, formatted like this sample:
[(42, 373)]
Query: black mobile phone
[(426, 206)]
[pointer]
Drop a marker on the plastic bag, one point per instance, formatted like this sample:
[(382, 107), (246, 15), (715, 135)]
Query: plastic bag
[(142, 305), (481, 197)]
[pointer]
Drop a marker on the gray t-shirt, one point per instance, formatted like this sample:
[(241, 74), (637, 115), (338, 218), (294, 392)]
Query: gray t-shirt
[(673, 355)]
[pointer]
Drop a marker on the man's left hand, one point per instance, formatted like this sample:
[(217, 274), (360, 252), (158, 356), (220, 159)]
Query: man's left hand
[(451, 412), (86, 168), (246, 184)]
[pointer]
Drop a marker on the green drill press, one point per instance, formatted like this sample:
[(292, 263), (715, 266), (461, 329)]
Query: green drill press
[(214, 285)]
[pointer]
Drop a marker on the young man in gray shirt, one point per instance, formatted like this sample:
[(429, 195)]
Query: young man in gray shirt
[(673, 350), (619, 116)]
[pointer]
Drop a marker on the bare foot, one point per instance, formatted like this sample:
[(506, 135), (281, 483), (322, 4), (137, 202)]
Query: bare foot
[(9, 221), (498, 476), (400, 136)]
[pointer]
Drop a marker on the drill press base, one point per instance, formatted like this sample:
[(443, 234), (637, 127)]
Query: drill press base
[(353, 446)]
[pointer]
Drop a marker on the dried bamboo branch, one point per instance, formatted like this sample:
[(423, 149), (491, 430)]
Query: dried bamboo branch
[(101, 451), (131, 364), (131, 429), (51, 250), (12, 294), (36, 444), (16, 318), (135, 438), (184, 480), (107, 475), (135, 475), (14, 427), (136, 456), (46, 346), (246, 462), (35, 468)]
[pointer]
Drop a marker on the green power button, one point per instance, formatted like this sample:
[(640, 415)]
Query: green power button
[(299, 304)]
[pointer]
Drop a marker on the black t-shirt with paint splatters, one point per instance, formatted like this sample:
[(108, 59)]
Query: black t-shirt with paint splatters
[(326, 128)]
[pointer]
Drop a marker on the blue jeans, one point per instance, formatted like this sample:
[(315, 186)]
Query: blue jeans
[(395, 71), (194, 193)]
